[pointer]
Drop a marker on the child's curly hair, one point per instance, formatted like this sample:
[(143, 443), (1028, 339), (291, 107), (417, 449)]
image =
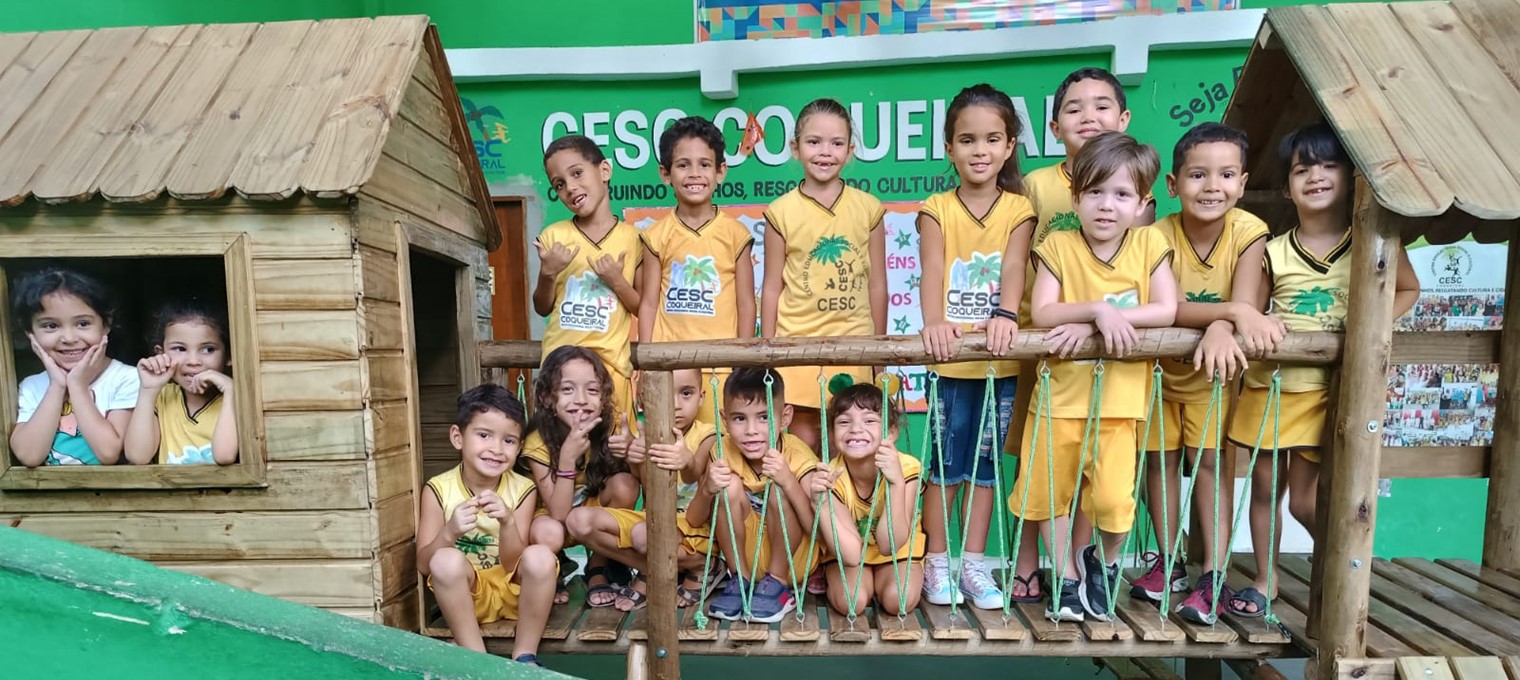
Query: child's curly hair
[(599, 464)]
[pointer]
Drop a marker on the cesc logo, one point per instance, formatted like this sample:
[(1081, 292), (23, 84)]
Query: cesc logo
[(1450, 265), (486, 121)]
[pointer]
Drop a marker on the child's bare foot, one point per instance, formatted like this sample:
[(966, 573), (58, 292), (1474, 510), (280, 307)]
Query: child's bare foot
[(599, 590), (561, 593)]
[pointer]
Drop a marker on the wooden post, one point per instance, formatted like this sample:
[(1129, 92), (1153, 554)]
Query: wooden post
[(1322, 519), (1501, 533), (1352, 511), (658, 399), (638, 662)]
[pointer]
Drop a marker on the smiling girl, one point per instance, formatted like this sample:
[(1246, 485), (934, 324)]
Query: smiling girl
[(184, 411)]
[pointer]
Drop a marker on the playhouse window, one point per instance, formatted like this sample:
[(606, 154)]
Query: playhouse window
[(215, 273)]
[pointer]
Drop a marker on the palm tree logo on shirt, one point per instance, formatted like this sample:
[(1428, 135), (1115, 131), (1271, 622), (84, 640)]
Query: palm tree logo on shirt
[(1314, 301), (1128, 299), (695, 272), (838, 251), (1204, 296), (974, 287), (476, 546), (693, 287)]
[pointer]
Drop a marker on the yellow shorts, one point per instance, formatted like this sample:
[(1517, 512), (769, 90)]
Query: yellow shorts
[(1302, 425), (1108, 491), (805, 558), (693, 540), (495, 594), (1183, 425), (714, 395), (912, 552), (801, 382)]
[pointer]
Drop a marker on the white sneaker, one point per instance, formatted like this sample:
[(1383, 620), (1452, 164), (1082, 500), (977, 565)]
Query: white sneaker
[(937, 586), (978, 585)]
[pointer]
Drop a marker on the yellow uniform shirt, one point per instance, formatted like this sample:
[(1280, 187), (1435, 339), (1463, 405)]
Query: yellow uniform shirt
[(1125, 282), (698, 433), (586, 311), (698, 297), (828, 278), (860, 508), (973, 279), (799, 458), (536, 450), (479, 547), (1204, 279), (1049, 191), (1308, 294), (184, 438)]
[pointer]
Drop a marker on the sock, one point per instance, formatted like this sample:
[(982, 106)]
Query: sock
[(973, 558), (937, 559)]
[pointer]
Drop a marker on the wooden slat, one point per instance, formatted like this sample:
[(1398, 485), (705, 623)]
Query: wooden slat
[(1147, 621), (1366, 669), (394, 473), (1389, 633), (348, 143), (638, 625), (1467, 608), (311, 385), (899, 628), (1400, 171), (600, 625), (74, 165), (389, 375), (1045, 630), (1218, 634), (1476, 668), (315, 435), (425, 109), (1512, 666), (741, 631), (404, 187), (944, 625), (841, 630), (49, 120), (305, 235), (1445, 347), (315, 583), (424, 73), (390, 424), (396, 519), (271, 163), (304, 284), (1473, 81), (384, 325), (1108, 631), (273, 58), (398, 570), (292, 486), (12, 45), (1488, 576), (403, 612), (562, 617), (1436, 619), (136, 173), (1490, 597), (211, 535), (439, 162), (688, 629), (308, 335), (1424, 108), (1255, 631), (32, 71), (1429, 667), (459, 138), (380, 275), (1494, 25), (805, 629)]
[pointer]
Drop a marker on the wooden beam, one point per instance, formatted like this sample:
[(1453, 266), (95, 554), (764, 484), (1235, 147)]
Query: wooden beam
[(895, 350), (1501, 531), (1365, 669), (1353, 463), (663, 657), (1254, 669)]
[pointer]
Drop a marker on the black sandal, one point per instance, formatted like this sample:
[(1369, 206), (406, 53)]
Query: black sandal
[(1249, 596), (1035, 581), (639, 600), (592, 591)]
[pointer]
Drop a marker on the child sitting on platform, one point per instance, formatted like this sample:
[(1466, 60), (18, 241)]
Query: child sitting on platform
[(870, 486), (1106, 279), (1309, 277), (472, 529), (184, 413)]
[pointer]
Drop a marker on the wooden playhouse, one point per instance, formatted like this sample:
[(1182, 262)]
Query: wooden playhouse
[(320, 176)]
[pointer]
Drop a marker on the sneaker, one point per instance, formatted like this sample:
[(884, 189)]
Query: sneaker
[(937, 586), (729, 604), (977, 584), (1153, 584), (1069, 608), (1098, 580), (771, 600), (529, 659), (1198, 605)]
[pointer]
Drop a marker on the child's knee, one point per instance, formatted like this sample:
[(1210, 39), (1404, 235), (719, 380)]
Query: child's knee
[(622, 491), (537, 562), (581, 522), (1302, 509), (547, 532), (448, 567), (639, 536)]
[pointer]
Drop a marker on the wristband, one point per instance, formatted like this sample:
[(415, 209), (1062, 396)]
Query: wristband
[(565, 474), (999, 311)]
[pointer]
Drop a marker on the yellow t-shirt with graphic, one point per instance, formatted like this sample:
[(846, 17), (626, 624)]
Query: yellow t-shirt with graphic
[(846, 492), (184, 438), (698, 297), (973, 279), (586, 311), (480, 547), (1123, 281), (1206, 278), (1308, 294), (799, 459), (827, 291), (1049, 191)]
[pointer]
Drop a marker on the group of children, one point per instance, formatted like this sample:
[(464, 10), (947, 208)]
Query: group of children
[(85, 408), (1074, 248)]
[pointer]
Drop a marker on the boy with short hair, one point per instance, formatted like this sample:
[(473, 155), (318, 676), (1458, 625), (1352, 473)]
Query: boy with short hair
[(1106, 279), (1309, 278), (472, 529), (747, 464), (697, 259), (627, 542), (1218, 264)]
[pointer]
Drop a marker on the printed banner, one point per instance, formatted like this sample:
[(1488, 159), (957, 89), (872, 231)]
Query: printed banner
[(767, 19)]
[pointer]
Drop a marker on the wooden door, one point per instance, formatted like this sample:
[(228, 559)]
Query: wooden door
[(511, 291)]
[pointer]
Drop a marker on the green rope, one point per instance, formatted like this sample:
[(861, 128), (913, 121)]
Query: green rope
[(522, 393), (1042, 407), (935, 423), (1154, 417), (1273, 405), (1216, 405), (897, 574), (707, 561), (1050, 482), (1091, 431), (989, 403)]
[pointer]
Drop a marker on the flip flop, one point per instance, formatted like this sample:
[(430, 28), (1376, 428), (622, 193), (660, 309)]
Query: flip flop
[(1034, 582), (1249, 596)]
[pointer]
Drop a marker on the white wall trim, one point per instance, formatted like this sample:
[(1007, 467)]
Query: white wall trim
[(1129, 39)]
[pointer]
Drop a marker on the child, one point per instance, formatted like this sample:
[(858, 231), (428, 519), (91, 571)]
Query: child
[(1218, 250), (76, 410), (696, 259), (1106, 279), (865, 465), (184, 413), (589, 278), (570, 456), (974, 241), (622, 534), (749, 461), (472, 529), (825, 264), (1308, 275), (1088, 102)]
